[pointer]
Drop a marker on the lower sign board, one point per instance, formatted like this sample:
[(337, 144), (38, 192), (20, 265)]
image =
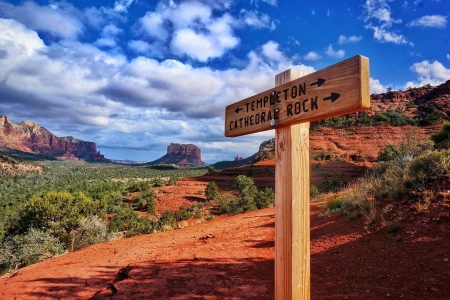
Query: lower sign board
[(340, 89)]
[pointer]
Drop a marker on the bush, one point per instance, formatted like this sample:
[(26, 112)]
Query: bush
[(336, 203), (313, 190), (128, 220), (59, 212), (168, 220), (92, 230), (229, 206), (23, 250), (183, 214), (442, 138), (245, 185), (212, 191), (149, 197), (265, 198), (158, 182), (430, 166)]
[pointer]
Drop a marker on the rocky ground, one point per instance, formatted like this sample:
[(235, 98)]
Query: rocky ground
[(233, 258)]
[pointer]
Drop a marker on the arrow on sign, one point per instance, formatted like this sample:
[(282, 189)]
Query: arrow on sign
[(238, 110), (319, 82), (333, 97)]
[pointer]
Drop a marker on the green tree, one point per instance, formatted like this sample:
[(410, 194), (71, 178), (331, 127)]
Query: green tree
[(442, 138), (212, 191)]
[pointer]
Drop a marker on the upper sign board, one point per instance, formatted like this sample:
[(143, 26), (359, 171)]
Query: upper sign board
[(340, 89)]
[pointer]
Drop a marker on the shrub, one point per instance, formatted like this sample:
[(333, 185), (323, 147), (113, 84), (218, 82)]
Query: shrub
[(92, 230), (212, 191), (59, 212), (23, 250), (313, 190), (128, 220), (336, 203), (265, 198), (158, 182), (442, 138), (183, 214), (245, 185), (430, 166), (229, 206), (168, 220), (149, 197)]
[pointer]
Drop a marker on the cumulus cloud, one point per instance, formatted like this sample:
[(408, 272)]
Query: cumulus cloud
[(109, 36), (312, 56), (436, 21), (336, 54), (376, 87), (433, 73), (59, 21), (351, 39), (379, 12)]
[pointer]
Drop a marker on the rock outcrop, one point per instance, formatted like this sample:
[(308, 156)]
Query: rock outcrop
[(183, 155), (29, 136), (185, 150)]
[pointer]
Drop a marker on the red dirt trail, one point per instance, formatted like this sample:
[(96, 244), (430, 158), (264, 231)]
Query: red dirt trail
[(233, 258)]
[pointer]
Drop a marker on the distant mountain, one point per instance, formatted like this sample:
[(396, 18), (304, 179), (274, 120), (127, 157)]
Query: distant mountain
[(183, 155), (31, 138)]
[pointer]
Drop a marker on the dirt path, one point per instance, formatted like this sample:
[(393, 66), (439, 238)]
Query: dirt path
[(232, 258)]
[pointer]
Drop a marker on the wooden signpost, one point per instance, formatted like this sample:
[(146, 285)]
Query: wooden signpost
[(288, 108)]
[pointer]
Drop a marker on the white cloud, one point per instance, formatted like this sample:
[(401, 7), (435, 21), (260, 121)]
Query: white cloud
[(122, 5), (448, 56), (376, 87), (256, 19), (197, 30), (205, 46), (433, 73), (109, 36), (55, 21), (436, 21), (336, 54), (380, 12), (351, 39), (312, 56)]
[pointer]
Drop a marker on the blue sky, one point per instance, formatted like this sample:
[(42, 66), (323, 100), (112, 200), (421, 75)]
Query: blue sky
[(133, 76)]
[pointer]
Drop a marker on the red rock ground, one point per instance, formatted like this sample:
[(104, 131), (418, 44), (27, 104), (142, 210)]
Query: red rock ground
[(233, 258)]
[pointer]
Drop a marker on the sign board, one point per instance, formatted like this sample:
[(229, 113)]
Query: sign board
[(337, 90)]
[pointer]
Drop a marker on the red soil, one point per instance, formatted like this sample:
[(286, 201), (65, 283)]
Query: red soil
[(233, 258)]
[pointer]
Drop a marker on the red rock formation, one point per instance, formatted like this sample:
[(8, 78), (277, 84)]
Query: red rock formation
[(185, 150), (183, 155), (29, 136)]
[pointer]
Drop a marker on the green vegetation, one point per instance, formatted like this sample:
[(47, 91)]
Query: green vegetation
[(250, 199), (212, 191), (389, 117), (411, 166), (442, 138), (60, 206)]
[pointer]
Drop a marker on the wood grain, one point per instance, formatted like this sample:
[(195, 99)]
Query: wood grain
[(292, 225), (349, 79)]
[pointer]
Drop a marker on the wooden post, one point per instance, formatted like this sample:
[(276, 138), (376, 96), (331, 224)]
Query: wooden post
[(292, 200)]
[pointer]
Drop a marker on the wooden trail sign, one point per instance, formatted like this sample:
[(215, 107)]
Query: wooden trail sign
[(295, 101), (340, 89)]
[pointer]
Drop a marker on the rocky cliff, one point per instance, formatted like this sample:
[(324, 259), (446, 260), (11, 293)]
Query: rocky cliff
[(183, 155), (29, 136)]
